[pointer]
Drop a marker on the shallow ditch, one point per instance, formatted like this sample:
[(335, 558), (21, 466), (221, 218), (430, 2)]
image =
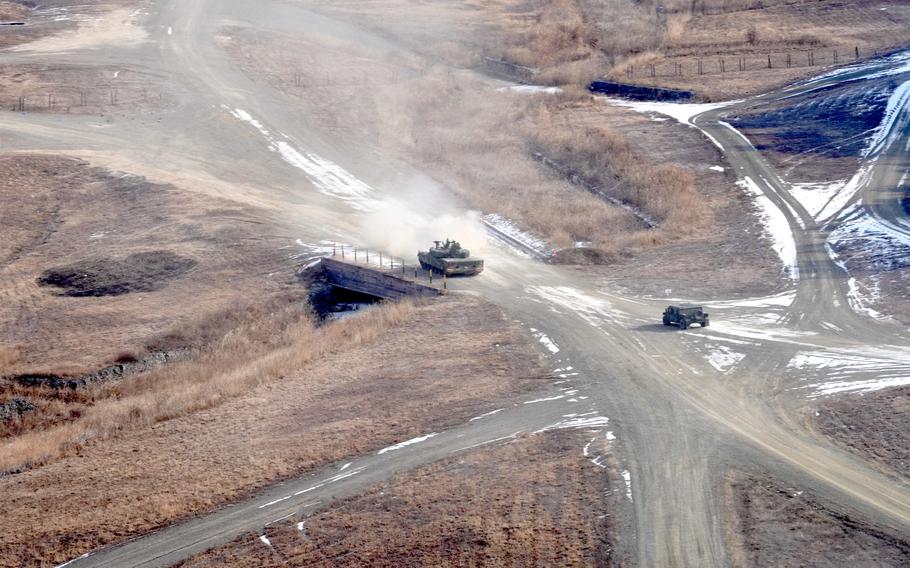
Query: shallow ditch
[(112, 372)]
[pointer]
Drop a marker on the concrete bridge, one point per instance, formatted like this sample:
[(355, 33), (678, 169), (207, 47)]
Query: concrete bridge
[(387, 284)]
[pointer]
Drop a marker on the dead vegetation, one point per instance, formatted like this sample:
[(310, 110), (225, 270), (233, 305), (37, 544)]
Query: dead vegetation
[(532, 502), (265, 406), (773, 525), (873, 425), (279, 342), (55, 208)]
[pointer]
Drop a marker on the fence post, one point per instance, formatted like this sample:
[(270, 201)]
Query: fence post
[(368, 256), (445, 281), (769, 61), (430, 275), (342, 251), (380, 261), (856, 50)]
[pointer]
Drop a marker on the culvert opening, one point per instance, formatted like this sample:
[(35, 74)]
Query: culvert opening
[(331, 303)]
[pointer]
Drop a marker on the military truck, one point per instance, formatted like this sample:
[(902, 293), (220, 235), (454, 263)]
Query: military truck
[(450, 259), (684, 315)]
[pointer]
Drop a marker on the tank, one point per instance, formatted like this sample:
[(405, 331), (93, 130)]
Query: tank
[(449, 258)]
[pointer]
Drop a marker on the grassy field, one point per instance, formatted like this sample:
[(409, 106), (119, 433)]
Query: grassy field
[(535, 501), (280, 406)]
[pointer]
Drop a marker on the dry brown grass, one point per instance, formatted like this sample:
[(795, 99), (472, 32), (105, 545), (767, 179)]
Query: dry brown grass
[(782, 525), (606, 158), (533, 502), (9, 356), (258, 351), (495, 171), (341, 405)]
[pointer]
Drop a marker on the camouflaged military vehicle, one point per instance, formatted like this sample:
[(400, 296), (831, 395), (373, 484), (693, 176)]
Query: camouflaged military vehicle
[(450, 259), (685, 315)]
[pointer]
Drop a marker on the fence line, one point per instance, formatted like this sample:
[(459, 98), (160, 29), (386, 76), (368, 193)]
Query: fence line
[(742, 63)]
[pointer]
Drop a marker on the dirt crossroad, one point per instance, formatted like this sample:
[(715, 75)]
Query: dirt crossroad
[(683, 417)]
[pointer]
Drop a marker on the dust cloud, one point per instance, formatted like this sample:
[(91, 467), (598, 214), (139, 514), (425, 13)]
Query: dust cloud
[(404, 224)]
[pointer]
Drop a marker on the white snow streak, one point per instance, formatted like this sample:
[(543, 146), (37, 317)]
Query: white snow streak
[(545, 341), (885, 134), (407, 443), (491, 413), (536, 400), (627, 477), (854, 371), (328, 177), (776, 226), (507, 227)]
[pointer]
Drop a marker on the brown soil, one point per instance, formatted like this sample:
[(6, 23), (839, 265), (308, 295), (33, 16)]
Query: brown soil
[(873, 425), (341, 405), (533, 502), (785, 527)]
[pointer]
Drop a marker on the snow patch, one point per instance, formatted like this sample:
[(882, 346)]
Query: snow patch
[(885, 134), (627, 477), (530, 89), (595, 311), (508, 232), (681, 112), (854, 371), (776, 226), (723, 358), (545, 341)]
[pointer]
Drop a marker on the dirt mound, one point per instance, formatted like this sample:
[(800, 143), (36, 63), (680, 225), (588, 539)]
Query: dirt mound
[(141, 272), (583, 255)]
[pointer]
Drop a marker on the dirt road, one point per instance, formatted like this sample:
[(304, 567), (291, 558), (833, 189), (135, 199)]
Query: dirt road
[(685, 406)]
